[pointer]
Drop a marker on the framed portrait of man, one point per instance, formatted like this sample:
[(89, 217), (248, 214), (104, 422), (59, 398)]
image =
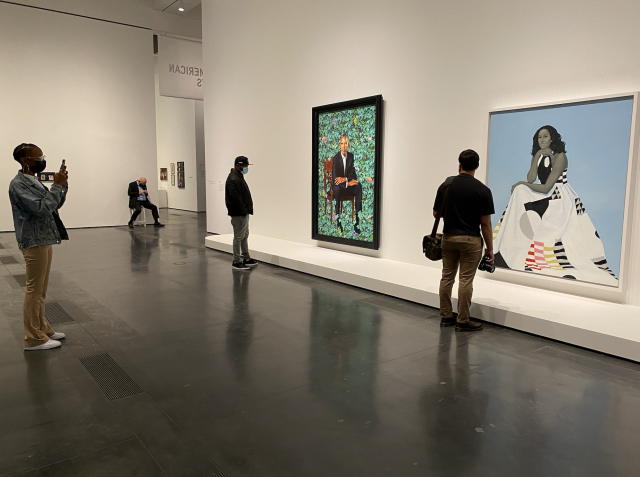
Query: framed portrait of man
[(163, 174), (347, 155)]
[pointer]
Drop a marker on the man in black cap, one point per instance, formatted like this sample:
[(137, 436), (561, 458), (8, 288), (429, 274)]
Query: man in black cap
[(237, 198)]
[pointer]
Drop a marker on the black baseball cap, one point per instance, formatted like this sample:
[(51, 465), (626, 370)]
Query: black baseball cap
[(242, 160)]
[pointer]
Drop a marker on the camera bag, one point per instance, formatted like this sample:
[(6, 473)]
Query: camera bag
[(432, 244)]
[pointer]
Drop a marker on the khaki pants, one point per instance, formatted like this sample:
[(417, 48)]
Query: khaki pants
[(240, 226), (464, 251), (36, 328)]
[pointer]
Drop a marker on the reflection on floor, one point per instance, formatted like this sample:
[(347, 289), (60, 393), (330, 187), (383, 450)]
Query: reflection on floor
[(275, 373)]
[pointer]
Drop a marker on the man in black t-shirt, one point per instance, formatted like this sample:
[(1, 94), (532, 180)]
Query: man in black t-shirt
[(468, 207)]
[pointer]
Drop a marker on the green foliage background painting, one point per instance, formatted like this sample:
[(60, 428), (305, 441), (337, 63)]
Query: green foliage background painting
[(360, 125)]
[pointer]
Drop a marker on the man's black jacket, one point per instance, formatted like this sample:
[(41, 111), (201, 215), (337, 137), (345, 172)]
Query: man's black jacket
[(134, 192), (237, 196), (338, 169)]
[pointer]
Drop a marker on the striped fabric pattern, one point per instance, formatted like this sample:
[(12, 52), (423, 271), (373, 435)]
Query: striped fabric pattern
[(541, 257), (497, 227), (561, 255), (601, 263)]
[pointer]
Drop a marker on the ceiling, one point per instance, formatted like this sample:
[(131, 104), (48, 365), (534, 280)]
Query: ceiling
[(192, 8)]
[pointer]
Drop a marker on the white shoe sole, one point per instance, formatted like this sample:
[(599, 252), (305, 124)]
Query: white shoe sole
[(57, 336), (51, 344)]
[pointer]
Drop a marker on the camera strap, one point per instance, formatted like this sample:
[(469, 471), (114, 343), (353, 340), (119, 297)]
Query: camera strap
[(445, 191)]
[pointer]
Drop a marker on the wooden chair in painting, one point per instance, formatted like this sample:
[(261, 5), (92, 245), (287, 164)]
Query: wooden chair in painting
[(328, 191)]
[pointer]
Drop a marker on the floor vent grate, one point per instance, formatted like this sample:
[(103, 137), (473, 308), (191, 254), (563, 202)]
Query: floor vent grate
[(219, 474), (111, 378), (54, 313)]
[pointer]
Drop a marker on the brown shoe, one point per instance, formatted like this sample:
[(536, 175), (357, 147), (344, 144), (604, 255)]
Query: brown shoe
[(469, 326), (444, 322)]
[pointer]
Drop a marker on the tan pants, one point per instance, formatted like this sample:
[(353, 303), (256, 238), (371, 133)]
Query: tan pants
[(465, 251), (36, 328)]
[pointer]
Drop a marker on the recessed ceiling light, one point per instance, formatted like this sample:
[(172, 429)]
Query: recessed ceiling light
[(181, 9)]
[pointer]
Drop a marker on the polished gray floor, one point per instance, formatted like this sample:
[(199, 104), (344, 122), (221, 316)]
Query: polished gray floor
[(276, 373)]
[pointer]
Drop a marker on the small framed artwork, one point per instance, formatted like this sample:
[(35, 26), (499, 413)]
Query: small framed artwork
[(46, 176), (173, 179), (173, 168), (347, 153), (180, 179), (163, 174)]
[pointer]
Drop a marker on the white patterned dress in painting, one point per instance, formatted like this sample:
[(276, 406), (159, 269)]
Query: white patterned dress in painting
[(550, 234)]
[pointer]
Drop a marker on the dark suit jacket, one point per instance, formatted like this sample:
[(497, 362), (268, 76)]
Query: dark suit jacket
[(133, 194), (338, 169)]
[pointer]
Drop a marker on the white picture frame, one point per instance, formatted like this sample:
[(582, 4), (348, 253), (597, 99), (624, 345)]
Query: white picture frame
[(617, 294)]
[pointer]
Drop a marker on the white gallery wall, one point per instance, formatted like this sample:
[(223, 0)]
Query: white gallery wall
[(440, 66), (179, 126), (82, 90)]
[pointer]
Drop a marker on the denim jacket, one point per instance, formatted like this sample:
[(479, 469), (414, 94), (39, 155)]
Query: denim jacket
[(33, 211)]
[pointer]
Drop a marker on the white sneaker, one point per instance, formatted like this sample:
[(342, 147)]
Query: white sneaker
[(57, 336), (48, 345)]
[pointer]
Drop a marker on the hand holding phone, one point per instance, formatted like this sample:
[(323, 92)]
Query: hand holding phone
[(62, 176)]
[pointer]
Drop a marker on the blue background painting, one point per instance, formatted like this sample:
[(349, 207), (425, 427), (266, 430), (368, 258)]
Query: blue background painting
[(597, 136)]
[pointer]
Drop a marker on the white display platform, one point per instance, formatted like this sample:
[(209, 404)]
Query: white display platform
[(602, 326)]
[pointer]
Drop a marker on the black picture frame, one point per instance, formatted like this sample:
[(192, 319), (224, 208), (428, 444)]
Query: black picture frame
[(181, 179), (317, 188)]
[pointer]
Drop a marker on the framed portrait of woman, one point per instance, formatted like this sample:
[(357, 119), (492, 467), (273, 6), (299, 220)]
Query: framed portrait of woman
[(347, 155), (561, 180)]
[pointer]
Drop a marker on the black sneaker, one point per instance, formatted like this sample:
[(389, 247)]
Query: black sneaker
[(469, 326), (251, 263), (158, 224), (240, 266), (130, 224)]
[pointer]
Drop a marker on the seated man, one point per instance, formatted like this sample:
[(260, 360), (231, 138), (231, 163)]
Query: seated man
[(138, 198), (345, 183)]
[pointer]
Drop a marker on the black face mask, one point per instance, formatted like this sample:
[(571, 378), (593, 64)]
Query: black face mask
[(38, 167)]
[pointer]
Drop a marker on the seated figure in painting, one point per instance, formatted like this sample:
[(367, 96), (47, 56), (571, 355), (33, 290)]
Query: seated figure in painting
[(345, 181), (545, 227)]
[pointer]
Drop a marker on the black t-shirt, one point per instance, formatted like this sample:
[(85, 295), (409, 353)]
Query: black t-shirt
[(468, 199)]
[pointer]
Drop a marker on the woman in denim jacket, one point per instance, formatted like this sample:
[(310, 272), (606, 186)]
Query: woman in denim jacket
[(38, 227)]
